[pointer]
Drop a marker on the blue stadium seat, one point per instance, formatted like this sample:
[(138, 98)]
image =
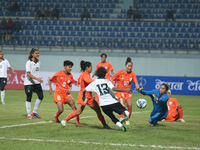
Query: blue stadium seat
[(169, 30), (136, 30), (46, 33), (180, 35), (66, 33), (76, 28), (57, 28), (163, 30), (176, 30), (194, 35), (152, 35), (99, 34), (159, 35), (129, 29), (156, 30), (72, 33), (132, 34), (159, 24), (105, 23), (116, 29), (183, 30), (102, 29), (173, 35), (96, 28)]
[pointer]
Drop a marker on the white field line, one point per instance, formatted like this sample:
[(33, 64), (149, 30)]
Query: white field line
[(26, 124), (98, 143)]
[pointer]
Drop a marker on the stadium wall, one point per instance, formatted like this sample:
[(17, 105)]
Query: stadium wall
[(143, 64)]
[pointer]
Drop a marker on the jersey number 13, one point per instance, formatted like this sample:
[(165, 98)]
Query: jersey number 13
[(103, 88)]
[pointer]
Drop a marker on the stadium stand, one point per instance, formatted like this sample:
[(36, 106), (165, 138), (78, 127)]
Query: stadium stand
[(106, 34)]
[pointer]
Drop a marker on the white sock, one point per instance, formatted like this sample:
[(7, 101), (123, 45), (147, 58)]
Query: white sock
[(2, 95), (126, 112), (28, 108), (119, 124), (37, 105)]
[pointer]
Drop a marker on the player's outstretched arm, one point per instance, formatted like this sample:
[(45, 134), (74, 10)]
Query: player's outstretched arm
[(121, 90), (138, 89)]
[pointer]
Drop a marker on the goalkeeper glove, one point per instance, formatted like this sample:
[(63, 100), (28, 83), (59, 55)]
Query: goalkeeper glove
[(139, 89)]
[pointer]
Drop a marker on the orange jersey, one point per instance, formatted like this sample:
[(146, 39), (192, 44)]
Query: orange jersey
[(107, 66), (172, 114), (172, 103), (124, 79), (84, 80), (63, 81)]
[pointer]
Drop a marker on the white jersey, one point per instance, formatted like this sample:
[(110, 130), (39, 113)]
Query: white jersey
[(34, 69), (4, 65), (103, 88)]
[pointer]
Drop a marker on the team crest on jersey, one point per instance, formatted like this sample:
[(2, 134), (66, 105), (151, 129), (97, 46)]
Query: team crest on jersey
[(106, 67), (130, 79), (170, 103)]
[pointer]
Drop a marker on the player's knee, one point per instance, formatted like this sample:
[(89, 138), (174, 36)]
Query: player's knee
[(179, 106), (78, 112), (28, 99), (150, 121), (60, 110), (41, 97)]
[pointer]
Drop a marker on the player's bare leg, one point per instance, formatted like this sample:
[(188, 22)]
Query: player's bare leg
[(122, 101), (179, 109), (96, 108), (79, 110), (71, 103), (129, 108), (60, 110)]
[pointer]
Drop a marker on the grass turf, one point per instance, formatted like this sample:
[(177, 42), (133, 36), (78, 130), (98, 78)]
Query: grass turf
[(139, 135)]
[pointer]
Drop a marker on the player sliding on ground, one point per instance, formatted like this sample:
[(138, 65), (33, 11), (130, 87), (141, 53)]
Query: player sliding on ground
[(107, 99), (175, 110), (84, 80), (159, 99), (62, 95)]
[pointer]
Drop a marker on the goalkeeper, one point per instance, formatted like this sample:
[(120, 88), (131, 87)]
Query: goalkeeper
[(159, 99)]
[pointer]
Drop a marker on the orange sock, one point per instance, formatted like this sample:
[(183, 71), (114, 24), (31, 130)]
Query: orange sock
[(77, 117), (121, 116), (101, 118), (130, 111), (180, 113), (57, 114), (70, 116)]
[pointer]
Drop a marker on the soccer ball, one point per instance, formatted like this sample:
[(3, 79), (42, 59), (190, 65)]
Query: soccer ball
[(141, 103)]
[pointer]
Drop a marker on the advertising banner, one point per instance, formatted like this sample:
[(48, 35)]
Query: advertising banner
[(179, 85)]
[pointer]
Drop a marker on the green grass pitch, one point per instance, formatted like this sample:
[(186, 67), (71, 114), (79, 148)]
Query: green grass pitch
[(19, 133)]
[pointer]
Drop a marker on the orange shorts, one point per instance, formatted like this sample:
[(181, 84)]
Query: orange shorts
[(89, 97), (172, 116), (61, 97), (125, 96)]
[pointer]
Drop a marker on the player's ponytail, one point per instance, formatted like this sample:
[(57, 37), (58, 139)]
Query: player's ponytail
[(84, 64), (32, 52), (128, 60)]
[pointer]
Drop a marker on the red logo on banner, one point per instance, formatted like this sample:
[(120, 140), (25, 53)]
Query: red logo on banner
[(15, 81)]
